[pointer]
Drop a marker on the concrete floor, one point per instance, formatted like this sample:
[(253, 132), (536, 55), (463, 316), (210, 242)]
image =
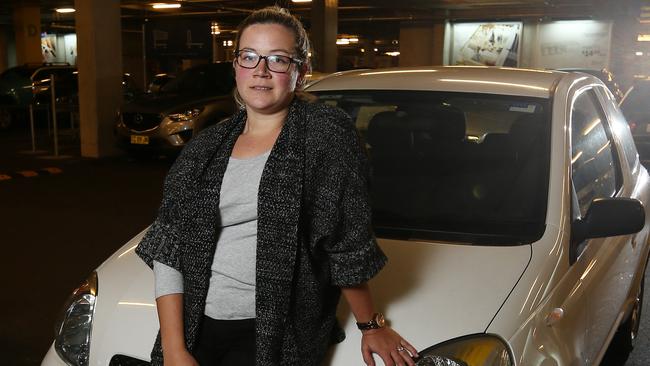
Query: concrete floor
[(56, 227)]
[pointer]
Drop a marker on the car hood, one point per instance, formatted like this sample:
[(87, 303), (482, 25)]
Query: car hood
[(166, 103), (429, 292)]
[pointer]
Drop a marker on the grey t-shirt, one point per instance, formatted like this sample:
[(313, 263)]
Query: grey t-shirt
[(231, 294)]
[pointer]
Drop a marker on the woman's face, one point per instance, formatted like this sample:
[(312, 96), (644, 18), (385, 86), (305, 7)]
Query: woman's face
[(262, 90)]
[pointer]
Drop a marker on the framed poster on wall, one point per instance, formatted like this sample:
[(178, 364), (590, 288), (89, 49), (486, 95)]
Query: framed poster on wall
[(490, 44), (575, 43)]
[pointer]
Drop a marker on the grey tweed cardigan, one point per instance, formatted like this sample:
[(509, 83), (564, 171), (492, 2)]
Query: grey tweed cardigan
[(314, 234)]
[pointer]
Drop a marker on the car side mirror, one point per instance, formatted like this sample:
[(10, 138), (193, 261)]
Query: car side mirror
[(609, 217)]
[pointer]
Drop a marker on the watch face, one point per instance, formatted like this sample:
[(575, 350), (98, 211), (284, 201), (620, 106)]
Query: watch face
[(380, 320)]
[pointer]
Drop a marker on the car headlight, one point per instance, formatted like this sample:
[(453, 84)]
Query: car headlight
[(73, 331), (475, 350), (186, 115)]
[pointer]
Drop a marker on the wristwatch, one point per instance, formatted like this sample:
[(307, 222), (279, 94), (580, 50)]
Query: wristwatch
[(376, 322)]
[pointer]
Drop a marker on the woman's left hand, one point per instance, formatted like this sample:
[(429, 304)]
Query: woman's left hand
[(389, 345)]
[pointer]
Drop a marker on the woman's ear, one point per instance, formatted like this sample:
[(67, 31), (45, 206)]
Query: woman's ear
[(302, 75)]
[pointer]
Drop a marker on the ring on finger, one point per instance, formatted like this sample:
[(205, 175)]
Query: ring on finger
[(401, 349)]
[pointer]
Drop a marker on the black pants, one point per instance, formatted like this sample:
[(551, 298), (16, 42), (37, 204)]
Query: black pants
[(226, 343)]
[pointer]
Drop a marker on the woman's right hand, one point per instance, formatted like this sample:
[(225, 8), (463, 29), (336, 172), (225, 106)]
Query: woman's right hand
[(180, 358)]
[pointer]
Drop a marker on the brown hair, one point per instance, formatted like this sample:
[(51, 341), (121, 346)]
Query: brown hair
[(277, 15)]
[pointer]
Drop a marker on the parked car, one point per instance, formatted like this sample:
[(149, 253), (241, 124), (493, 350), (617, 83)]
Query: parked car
[(166, 120), (636, 107), (67, 89), (16, 89), (511, 205)]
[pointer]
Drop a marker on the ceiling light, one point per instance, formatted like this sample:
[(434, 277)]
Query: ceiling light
[(214, 28), (165, 6), (342, 41), (394, 53), (639, 53), (65, 10), (301, 1)]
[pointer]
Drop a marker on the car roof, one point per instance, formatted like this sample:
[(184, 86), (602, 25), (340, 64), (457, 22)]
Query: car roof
[(472, 79)]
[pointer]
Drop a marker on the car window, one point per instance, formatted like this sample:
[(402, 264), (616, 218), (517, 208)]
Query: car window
[(593, 163), (16, 73), (621, 129), (453, 166), (46, 73)]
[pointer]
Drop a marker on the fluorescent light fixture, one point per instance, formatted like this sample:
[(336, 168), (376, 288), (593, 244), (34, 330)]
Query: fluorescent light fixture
[(342, 41), (301, 1), (165, 6), (65, 10), (643, 38), (639, 53), (393, 53)]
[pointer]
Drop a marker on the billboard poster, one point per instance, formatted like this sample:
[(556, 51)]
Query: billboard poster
[(59, 48), (573, 44), (49, 48), (488, 44)]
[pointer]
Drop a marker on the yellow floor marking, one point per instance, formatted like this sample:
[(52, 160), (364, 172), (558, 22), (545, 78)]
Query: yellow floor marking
[(28, 173), (53, 170)]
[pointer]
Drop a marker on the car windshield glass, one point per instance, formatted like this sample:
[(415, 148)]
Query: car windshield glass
[(204, 79), (463, 167)]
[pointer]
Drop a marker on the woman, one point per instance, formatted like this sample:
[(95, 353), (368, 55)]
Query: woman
[(265, 222)]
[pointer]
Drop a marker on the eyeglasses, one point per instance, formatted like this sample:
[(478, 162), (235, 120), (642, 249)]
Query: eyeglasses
[(275, 63)]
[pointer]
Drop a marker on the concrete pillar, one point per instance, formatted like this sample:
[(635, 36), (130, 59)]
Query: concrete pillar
[(421, 43), (437, 58), (324, 28), (99, 60), (624, 62), (27, 27)]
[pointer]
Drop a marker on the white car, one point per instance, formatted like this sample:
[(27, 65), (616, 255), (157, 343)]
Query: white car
[(512, 207)]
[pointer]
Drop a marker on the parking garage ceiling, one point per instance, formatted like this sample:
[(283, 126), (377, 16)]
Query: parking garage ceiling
[(354, 16)]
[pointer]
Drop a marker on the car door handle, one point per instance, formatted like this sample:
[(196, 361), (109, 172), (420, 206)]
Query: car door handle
[(554, 316)]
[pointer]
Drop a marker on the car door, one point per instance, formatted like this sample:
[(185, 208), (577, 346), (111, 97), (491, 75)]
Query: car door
[(596, 172)]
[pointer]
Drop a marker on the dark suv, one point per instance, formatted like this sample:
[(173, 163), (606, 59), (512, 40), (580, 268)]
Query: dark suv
[(166, 120), (16, 88)]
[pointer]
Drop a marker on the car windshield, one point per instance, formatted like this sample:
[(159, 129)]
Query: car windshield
[(204, 79), (469, 168)]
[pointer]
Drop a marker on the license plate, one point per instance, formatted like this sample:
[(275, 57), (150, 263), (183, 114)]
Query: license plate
[(139, 140)]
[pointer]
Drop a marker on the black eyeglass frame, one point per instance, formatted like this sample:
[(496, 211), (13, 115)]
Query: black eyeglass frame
[(291, 61)]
